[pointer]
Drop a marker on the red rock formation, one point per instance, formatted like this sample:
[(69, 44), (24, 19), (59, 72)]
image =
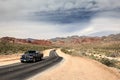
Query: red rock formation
[(8, 39), (41, 42), (25, 41)]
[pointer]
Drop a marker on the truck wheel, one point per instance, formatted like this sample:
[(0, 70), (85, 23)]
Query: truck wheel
[(39, 59)]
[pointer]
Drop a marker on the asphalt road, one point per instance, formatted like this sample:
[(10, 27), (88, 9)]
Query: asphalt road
[(22, 71)]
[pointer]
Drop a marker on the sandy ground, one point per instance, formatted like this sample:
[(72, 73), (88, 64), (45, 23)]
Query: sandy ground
[(71, 68), (77, 68), (15, 58), (9, 59)]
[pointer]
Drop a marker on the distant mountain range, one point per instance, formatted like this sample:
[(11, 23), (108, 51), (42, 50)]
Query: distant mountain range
[(25, 41), (110, 37), (103, 33), (63, 40), (85, 39)]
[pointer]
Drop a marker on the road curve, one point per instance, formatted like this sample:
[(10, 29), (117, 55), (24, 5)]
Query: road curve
[(78, 68), (20, 71)]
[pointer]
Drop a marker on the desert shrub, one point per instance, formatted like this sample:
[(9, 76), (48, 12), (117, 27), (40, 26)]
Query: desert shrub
[(113, 54), (109, 49), (72, 52), (66, 51), (93, 57), (108, 62), (11, 48), (82, 54), (118, 65)]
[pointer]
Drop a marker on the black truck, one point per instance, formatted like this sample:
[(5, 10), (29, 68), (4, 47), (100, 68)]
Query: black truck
[(31, 56)]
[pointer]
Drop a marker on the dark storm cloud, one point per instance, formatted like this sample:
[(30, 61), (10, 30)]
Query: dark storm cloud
[(59, 11), (65, 16)]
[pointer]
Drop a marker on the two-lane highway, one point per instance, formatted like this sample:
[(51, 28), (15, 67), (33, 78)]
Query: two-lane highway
[(20, 71)]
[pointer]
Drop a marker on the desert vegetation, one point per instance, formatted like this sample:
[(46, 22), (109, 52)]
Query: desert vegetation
[(12, 48), (104, 49), (104, 52)]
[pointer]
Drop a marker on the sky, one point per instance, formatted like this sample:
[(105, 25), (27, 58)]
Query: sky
[(45, 19)]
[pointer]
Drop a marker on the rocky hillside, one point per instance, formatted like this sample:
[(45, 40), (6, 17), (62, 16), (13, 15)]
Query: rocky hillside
[(25, 41), (112, 37), (84, 39), (63, 40)]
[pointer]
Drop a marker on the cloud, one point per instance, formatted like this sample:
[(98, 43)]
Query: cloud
[(23, 9), (101, 25), (30, 30), (106, 24), (97, 25), (52, 18), (37, 30), (64, 17)]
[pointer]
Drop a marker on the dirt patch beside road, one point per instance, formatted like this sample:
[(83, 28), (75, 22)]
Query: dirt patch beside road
[(78, 68), (9, 59), (14, 58)]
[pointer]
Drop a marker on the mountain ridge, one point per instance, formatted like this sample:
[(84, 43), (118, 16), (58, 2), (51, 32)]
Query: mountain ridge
[(75, 39)]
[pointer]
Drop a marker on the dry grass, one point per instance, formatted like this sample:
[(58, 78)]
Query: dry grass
[(11, 48), (108, 49)]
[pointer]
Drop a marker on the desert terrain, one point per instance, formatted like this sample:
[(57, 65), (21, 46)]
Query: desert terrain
[(78, 68), (70, 68)]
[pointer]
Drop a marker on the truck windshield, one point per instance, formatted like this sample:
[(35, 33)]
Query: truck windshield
[(30, 52)]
